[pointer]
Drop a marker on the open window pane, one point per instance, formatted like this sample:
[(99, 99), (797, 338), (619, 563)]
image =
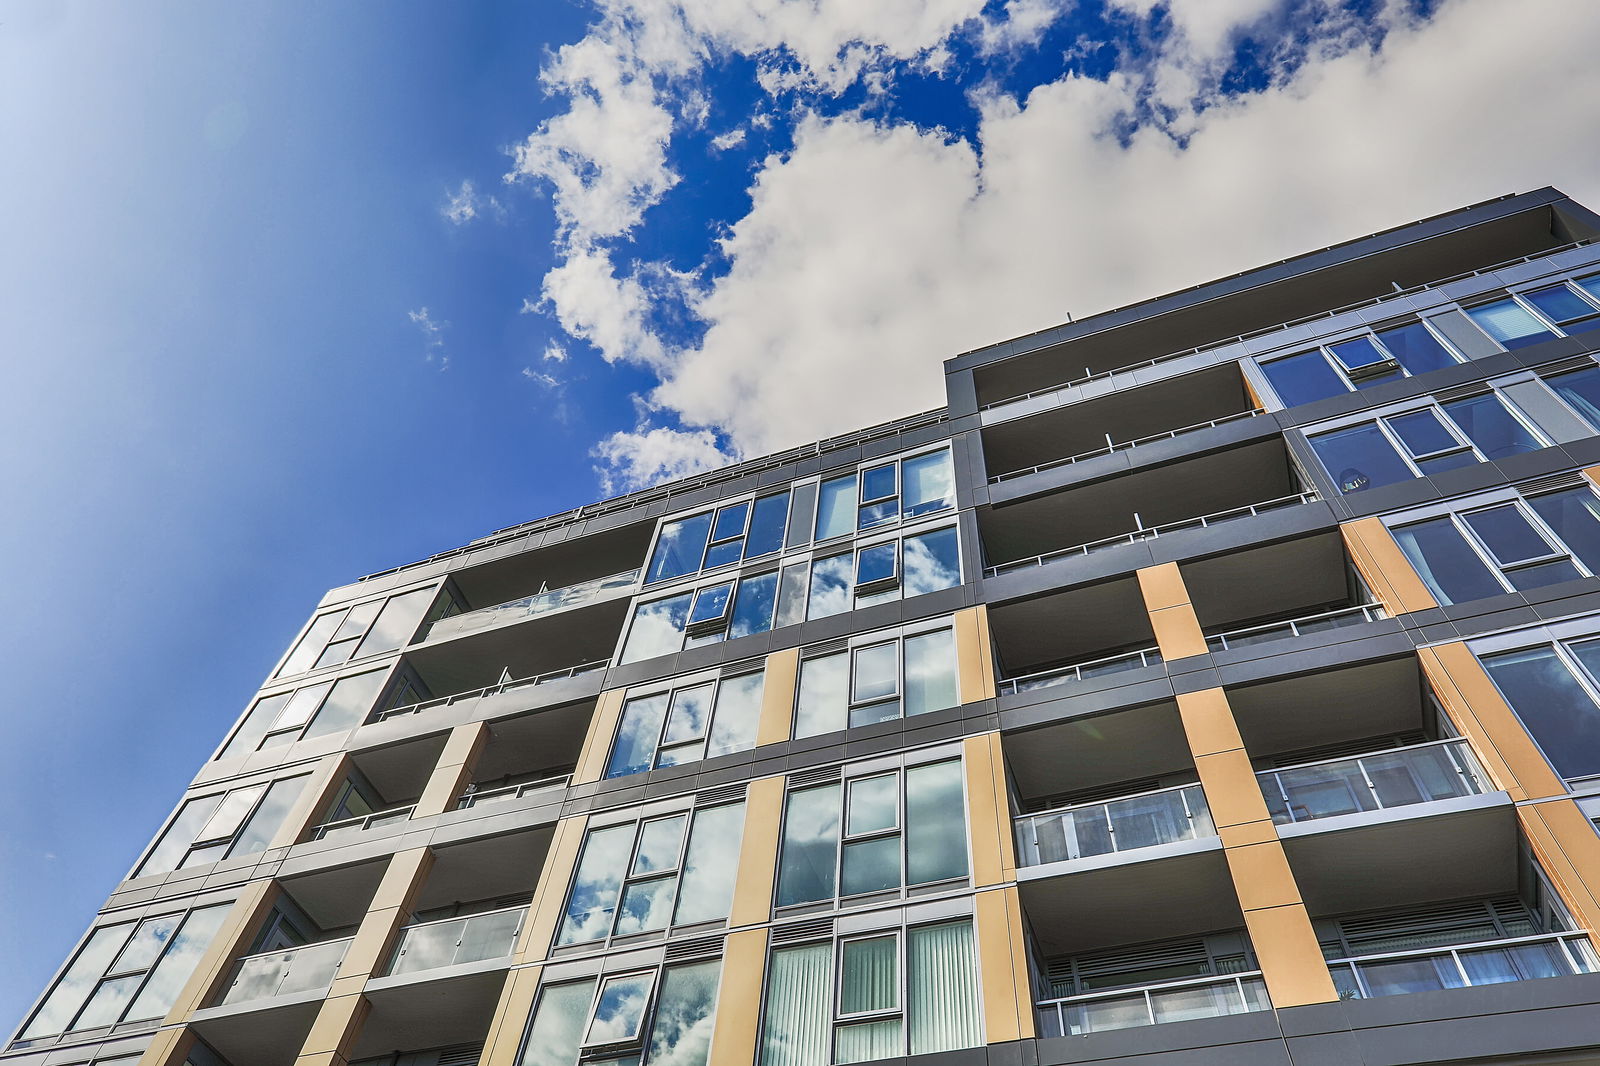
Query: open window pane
[(711, 865), (766, 525), (1360, 458), (1358, 352), (711, 604), (876, 564), (1416, 348), (932, 561), (691, 713), (810, 846), (1508, 535), (930, 668), (877, 670), (1575, 517), (824, 701), (936, 823), (929, 484), (637, 735), (836, 508), (1553, 705), (619, 1011), (558, 1024), (1487, 423), (738, 714), (1303, 378), (679, 548), (869, 975), (1509, 323), (1452, 570)]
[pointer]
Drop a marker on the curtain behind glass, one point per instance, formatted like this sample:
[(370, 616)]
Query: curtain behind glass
[(799, 996), (941, 1004)]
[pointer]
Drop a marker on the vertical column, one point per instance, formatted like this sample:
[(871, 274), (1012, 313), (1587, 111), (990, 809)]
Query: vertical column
[(511, 1015), (1384, 567), (325, 782), (1280, 928), (738, 1018), (758, 853), (994, 856), (339, 1019), (597, 742), (454, 769), (974, 654), (777, 697), (1003, 966)]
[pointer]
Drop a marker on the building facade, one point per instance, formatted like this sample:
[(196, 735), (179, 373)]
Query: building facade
[(1214, 680)]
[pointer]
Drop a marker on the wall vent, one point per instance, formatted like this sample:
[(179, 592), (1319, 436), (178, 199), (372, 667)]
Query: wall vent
[(725, 794), (1572, 479), (699, 947), (822, 775), (796, 931)]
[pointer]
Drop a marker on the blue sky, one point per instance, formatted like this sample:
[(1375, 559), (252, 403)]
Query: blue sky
[(295, 292)]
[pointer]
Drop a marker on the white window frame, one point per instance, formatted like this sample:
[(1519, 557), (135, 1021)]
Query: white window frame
[(898, 635), (670, 688)]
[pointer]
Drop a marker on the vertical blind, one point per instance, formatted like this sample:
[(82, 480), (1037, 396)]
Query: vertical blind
[(942, 1002), (799, 996)]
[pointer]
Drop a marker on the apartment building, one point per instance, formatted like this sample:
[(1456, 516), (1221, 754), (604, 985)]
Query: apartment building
[(1215, 680)]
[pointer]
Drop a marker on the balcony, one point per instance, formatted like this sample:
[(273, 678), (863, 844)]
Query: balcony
[(346, 828), (1321, 622), (476, 797), (1077, 672), (1489, 962), (457, 941), (1170, 1001), (594, 590), (1164, 816), (494, 690), (282, 973), (1422, 773)]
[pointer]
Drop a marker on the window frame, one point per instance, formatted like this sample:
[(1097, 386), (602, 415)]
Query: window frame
[(897, 635), (281, 672), (332, 682), (733, 672), (1521, 297), (1388, 364), (1559, 637), (201, 843)]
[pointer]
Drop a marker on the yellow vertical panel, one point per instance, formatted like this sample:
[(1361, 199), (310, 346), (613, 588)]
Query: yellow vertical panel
[(1178, 632), (1003, 966), (1162, 587), (169, 1047), (1385, 568), (738, 1020), (1002, 806), (974, 655), (758, 852), (1208, 722), (325, 782), (1592, 473), (1568, 851), (988, 823), (1468, 694), (1261, 875), (337, 1025), (778, 696), (389, 911), (453, 770), (1291, 961), (232, 939), (597, 742), (550, 894), (511, 1016), (1231, 789)]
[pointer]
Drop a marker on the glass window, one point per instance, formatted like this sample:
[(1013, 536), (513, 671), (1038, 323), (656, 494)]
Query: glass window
[(657, 628), (347, 706), (679, 548), (1445, 562), (930, 484), (1509, 323), (752, 610), (397, 623), (795, 1032), (681, 1025), (174, 843), (316, 638), (636, 1018), (727, 535), (711, 605), (373, 627), (1365, 362), (930, 674), (1360, 458), (836, 507), (1564, 306), (1508, 535), (1416, 348), (809, 851), (619, 1012), (1574, 517), (1555, 707), (558, 1024), (876, 682), (936, 838), (1581, 390), (268, 818), (823, 705), (628, 876), (707, 719), (1489, 425), (875, 566), (738, 713), (767, 522), (932, 562), (830, 586), (879, 496), (1303, 378), (638, 735)]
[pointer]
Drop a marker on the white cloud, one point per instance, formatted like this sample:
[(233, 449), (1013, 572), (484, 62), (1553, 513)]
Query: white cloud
[(433, 336), (549, 381), (873, 251), (1024, 23), (466, 204), (554, 353), (650, 455), (732, 139)]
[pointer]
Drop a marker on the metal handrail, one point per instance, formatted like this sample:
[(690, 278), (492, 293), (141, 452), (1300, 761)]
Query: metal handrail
[(679, 487), (1214, 979), (472, 798), (1576, 948), (1370, 612), (1465, 764), (404, 929), (1211, 346), (291, 951), (1024, 682), (406, 938), (1110, 447), (365, 821), (1251, 999), (576, 594), (1148, 532), (491, 690), (1191, 796)]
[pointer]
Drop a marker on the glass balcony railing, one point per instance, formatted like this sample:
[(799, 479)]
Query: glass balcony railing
[(1066, 675), (492, 690), (1112, 447), (1398, 777), (1172, 1001), (476, 797), (1162, 817), (453, 941), (349, 827), (1296, 627), (1490, 962), (280, 973), (1149, 532), (592, 591)]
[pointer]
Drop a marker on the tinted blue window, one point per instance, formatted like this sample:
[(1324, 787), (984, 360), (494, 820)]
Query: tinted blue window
[(1581, 389), (1487, 423), (1414, 348), (1560, 304), (875, 563), (1575, 517), (1422, 433), (1442, 557), (1360, 458), (932, 562), (730, 521), (1557, 711), (752, 610), (679, 548), (711, 603), (1303, 378), (1509, 323), (766, 525)]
